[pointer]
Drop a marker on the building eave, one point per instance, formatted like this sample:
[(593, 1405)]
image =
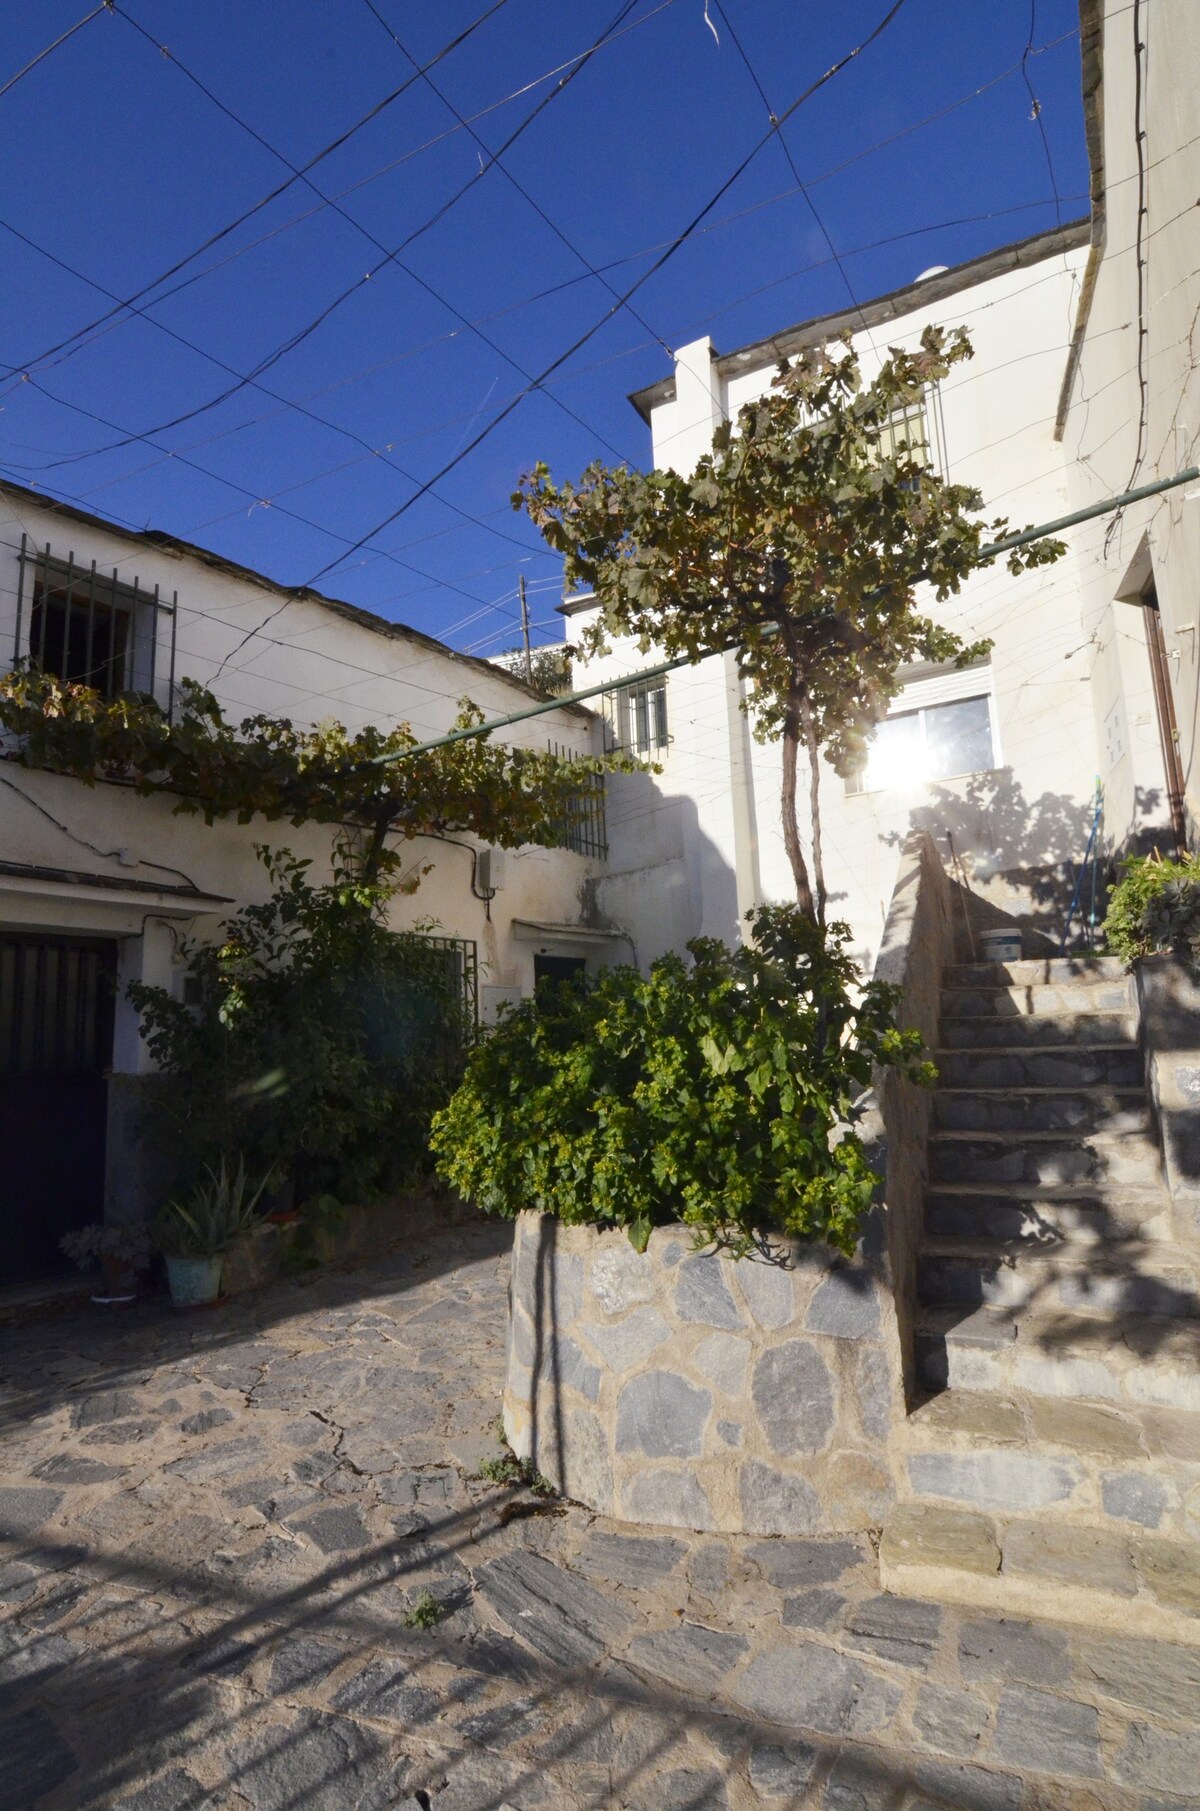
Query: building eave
[(175, 548), (924, 293)]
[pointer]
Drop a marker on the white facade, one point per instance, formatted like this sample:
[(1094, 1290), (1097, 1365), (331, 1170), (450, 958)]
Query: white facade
[(1027, 803), (103, 863)]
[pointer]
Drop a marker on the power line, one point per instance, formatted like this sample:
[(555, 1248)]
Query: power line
[(390, 255), (1035, 105), (223, 233), (106, 6), (497, 160), (658, 264)]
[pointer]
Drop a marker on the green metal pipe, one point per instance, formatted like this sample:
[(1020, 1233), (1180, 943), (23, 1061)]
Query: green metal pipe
[(991, 551)]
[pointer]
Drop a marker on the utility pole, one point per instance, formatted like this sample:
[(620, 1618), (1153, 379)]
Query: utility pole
[(525, 630)]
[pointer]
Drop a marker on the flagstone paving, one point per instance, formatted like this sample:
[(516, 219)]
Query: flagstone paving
[(215, 1527)]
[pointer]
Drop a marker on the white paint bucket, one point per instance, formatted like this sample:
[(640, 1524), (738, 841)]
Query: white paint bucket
[(1000, 946)]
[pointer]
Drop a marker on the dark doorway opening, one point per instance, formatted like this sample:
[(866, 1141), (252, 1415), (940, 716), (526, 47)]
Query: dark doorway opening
[(559, 969), (57, 996)]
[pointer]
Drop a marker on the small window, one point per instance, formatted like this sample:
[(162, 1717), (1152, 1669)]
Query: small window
[(640, 716), (906, 432), (937, 743), (92, 628)]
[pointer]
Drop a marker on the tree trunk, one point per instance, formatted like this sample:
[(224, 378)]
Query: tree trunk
[(787, 803), (814, 800)]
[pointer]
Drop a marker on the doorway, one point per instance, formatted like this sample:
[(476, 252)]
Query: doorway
[(558, 969), (57, 997), (1164, 707)]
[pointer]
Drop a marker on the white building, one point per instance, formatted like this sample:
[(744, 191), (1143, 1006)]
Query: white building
[(97, 884), (1083, 385)]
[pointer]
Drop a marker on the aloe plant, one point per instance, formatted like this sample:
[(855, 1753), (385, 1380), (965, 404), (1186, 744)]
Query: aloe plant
[(221, 1210)]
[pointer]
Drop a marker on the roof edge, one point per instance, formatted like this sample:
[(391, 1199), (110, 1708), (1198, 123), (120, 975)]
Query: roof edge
[(170, 544), (1014, 256)]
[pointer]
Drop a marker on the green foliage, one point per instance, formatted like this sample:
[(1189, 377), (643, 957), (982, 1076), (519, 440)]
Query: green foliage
[(221, 1210), (127, 1244), (721, 1093), (517, 1473), (427, 1611), (550, 668), (318, 1042), (801, 539), (1155, 908), (266, 767)]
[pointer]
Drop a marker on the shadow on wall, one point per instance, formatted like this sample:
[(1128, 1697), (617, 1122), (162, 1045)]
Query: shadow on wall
[(1021, 855), (666, 880)]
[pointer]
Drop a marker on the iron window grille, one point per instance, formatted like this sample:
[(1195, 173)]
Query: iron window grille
[(89, 627), (637, 716), (461, 956), (581, 824)]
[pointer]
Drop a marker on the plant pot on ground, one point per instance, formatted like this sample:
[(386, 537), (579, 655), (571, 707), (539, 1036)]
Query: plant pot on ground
[(122, 1251), (195, 1233)]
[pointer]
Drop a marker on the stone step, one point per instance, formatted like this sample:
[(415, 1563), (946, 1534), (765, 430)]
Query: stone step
[(1078, 971), (966, 1273), (1063, 1032), (1141, 1358), (1084, 1215), (1054, 1002), (1086, 1066), (1022, 1158), (1100, 1576), (1127, 1467), (978, 1109)]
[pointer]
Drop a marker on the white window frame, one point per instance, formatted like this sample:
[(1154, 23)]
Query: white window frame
[(955, 686), (624, 715)]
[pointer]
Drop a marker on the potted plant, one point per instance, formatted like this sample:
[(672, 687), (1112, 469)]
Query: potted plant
[(123, 1252), (195, 1233)]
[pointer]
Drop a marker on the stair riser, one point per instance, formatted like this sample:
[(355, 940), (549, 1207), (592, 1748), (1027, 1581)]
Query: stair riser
[(1083, 1028), (1066, 1484), (1036, 1002), (1034, 971), (1133, 1161), (966, 1283), (1019, 1599), (1086, 1222), (1080, 1068), (1089, 1375), (1017, 1112)]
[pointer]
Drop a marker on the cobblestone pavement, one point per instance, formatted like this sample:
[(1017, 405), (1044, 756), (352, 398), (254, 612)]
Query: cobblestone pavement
[(215, 1526)]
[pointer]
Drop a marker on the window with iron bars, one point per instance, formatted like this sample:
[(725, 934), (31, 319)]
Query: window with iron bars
[(91, 627), (637, 716), (580, 824), (461, 958), (913, 429)]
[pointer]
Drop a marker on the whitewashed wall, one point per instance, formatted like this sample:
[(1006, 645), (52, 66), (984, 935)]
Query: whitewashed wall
[(309, 662), (995, 421)]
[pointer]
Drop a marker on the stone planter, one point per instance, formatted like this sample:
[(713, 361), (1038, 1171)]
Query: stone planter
[(698, 1392)]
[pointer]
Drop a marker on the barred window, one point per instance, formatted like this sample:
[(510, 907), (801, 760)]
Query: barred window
[(906, 433), (89, 627), (639, 716)]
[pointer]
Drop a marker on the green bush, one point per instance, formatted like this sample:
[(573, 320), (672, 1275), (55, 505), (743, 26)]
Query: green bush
[(312, 1040), (720, 1093), (1155, 908)]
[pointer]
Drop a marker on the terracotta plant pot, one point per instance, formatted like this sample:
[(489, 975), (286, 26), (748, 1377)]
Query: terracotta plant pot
[(120, 1283)]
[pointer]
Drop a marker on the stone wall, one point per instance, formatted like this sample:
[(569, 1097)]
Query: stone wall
[(363, 1232), (689, 1390), (1169, 1026), (696, 1391)]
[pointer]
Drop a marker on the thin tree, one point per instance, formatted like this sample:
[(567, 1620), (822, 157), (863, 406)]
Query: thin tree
[(805, 539)]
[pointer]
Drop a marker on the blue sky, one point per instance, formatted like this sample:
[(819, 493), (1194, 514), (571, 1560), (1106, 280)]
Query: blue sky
[(119, 165)]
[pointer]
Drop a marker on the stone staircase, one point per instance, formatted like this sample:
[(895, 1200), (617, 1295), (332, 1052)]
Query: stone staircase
[(1053, 1467)]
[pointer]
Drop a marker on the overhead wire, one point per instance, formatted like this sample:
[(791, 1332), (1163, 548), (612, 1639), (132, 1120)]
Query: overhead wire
[(106, 6), (343, 138), (391, 255), (590, 333), (1035, 105)]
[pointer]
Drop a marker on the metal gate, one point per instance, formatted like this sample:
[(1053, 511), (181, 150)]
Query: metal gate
[(57, 996)]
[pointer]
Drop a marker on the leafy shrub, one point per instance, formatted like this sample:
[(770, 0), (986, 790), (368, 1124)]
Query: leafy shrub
[(125, 1243), (720, 1093), (311, 1038), (1156, 907)]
